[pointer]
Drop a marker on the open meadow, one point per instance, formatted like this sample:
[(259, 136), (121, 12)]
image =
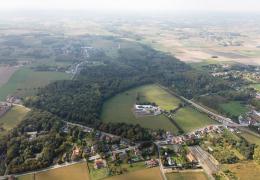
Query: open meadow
[(246, 170), (190, 119), (250, 138), (187, 176), (5, 73), (146, 174), (234, 108), (153, 93), (76, 172), (119, 108), (12, 118), (26, 82)]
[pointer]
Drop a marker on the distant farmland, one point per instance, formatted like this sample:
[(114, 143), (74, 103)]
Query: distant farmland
[(119, 108), (5, 73), (26, 81)]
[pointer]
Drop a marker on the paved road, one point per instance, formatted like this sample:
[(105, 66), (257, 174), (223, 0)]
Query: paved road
[(76, 70), (88, 129), (209, 164), (160, 162), (224, 120)]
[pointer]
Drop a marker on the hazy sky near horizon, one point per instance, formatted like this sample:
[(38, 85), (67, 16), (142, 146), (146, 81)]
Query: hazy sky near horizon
[(138, 5)]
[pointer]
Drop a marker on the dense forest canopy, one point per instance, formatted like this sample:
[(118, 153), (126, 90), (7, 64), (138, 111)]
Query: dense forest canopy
[(80, 100)]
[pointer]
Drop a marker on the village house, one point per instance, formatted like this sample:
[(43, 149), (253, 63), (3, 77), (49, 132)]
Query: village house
[(13, 100), (75, 154), (191, 158), (257, 96), (4, 107), (151, 163), (100, 163), (143, 110), (32, 135), (92, 158)]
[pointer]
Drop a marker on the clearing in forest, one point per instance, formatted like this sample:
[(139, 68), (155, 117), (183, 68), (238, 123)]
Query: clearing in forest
[(120, 107)]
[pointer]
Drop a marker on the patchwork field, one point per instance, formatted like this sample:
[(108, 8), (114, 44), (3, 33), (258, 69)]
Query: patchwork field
[(146, 174), (245, 170), (234, 108), (12, 118), (190, 119), (76, 172), (187, 176), (119, 108), (5, 73), (26, 81)]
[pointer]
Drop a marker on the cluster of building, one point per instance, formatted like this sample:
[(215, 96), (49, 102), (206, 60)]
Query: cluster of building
[(146, 110), (13, 100), (250, 118), (171, 139), (172, 160), (151, 163), (257, 96), (4, 107)]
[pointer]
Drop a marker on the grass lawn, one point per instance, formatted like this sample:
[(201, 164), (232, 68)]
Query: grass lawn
[(187, 176), (245, 170), (190, 119), (96, 174), (76, 172), (26, 177), (13, 117), (251, 138), (119, 109), (234, 108), (26, 81), (153, 93), (146, 174), (256, 86)]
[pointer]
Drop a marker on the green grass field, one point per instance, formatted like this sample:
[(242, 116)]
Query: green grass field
[(256, 87), (12, 118), (26, 81), (153, 93), (187, 176), (119, 108), (251, 138), (76, 172), (190, 119), (234, 108)]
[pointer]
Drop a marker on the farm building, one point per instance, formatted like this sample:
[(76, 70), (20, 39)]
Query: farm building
[(151, 163), (4, 107), (100, 163), (143, 110), (191, 158)]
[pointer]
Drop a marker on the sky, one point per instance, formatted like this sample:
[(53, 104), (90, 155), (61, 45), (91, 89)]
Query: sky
[(136, 5)]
